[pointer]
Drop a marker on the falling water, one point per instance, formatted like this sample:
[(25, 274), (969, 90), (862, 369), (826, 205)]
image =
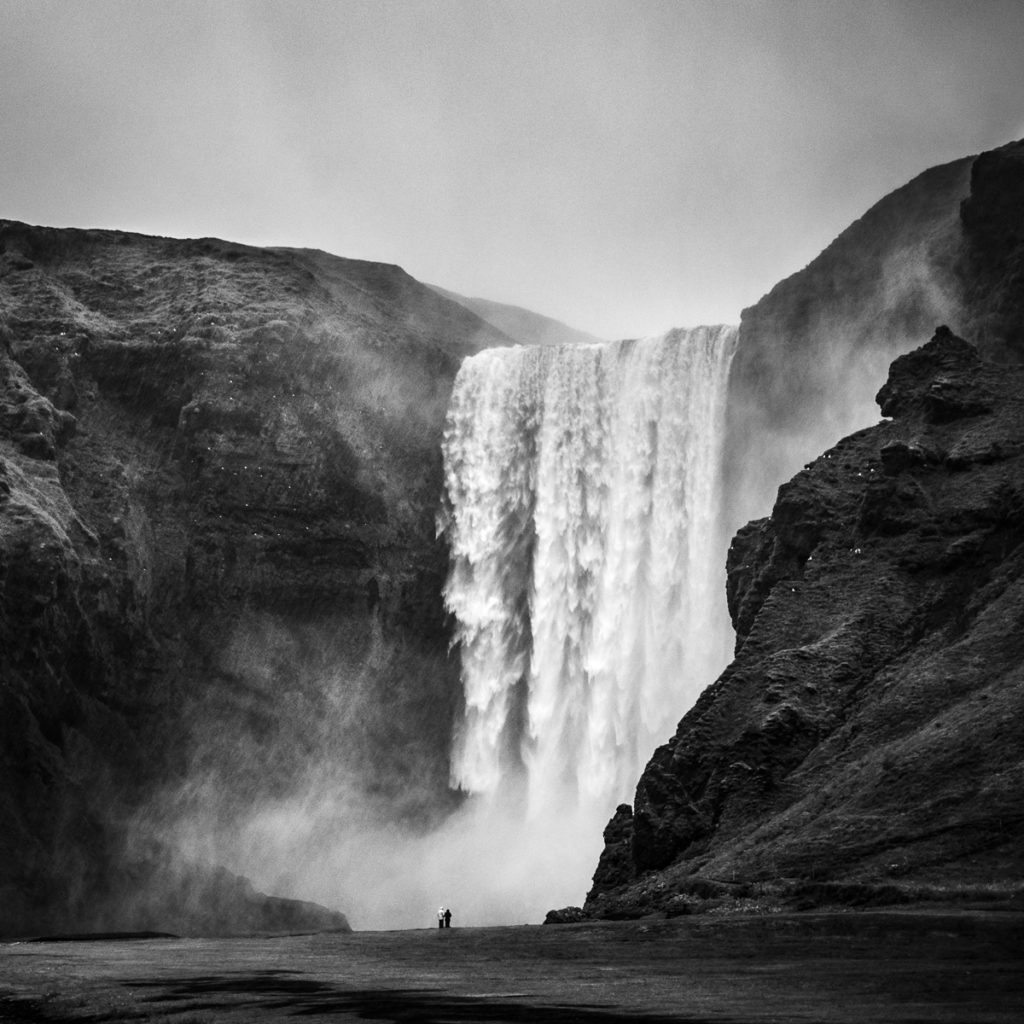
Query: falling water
[(586, 582)]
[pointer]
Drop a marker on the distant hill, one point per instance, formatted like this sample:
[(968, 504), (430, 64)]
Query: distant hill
[(526, 327)]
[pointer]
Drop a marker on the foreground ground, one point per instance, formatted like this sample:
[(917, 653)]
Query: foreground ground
[(956, 966)]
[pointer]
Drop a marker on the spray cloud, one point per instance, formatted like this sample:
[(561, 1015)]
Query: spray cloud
[(583, 485)]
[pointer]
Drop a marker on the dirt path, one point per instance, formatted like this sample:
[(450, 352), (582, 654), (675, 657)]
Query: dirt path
[(879, 967)]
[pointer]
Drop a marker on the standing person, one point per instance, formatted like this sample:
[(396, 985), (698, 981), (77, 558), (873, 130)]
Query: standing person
[(448, 917), (440, 917)]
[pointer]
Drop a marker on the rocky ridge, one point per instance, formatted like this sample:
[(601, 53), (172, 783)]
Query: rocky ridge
[(948, 244)]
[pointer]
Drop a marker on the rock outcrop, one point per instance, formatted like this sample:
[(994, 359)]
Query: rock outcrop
[(867, 742), (219, 477)]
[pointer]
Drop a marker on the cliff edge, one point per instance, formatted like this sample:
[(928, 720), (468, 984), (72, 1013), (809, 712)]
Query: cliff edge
[(866, 742)]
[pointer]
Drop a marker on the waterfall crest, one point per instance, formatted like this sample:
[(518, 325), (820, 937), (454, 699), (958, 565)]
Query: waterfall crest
[(582, 489)]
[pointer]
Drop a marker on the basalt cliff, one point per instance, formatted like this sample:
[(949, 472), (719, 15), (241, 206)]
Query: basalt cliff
[(865, 744), (219, 476)]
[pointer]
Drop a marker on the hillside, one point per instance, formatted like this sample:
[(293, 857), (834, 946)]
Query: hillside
[(219, 475), (523, 325), (866, 742), (944, 248), (814, 350), (862, 745)]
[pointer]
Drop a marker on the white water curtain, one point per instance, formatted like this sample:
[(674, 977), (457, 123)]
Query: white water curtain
[(586, 583)]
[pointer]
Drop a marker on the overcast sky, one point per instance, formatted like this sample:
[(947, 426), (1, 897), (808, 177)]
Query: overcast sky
[(623, 166)]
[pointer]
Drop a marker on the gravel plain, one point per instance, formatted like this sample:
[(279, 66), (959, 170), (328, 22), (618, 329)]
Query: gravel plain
[(911, 966)]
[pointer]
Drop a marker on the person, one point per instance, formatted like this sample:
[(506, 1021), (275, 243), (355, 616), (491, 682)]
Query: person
[(447, 917), (440, 917)]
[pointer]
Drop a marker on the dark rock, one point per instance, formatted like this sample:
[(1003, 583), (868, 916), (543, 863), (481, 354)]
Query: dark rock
[(812, 351), (566, 915), (898, 456), (992, 265), (861, 747), (616, 863), (254, 450), (946, 247), (36, 446), (935, 381)]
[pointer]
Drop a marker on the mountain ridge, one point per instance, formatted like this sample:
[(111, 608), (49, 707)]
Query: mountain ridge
[(523, 325)]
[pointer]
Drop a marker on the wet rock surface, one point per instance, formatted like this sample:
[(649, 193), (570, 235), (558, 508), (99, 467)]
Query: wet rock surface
[(865, 745), (219, 477)]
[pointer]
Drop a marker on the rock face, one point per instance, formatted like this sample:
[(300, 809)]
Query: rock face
[(812, 352), (219, 472), (992, 268), (947, 247), (868, 738), (861, 602)]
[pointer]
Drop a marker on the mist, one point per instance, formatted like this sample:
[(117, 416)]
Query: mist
[(348, 804), (482, 861), (343, 762)]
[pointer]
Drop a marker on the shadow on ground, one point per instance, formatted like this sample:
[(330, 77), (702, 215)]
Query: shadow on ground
[(287, 990)]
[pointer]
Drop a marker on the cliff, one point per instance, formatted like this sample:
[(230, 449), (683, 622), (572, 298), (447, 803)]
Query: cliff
[(853, 751), (944, 248), (219, 473), (866, 742)]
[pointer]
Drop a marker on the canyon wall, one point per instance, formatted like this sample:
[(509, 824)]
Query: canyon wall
[(221, 583), (864, 743), (219, 477), (946, 248), (814, 350)]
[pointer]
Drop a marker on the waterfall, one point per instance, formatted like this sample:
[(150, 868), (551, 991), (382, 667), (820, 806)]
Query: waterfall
[(586, 581)]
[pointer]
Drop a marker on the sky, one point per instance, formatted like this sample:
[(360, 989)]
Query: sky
[(625, 167)]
